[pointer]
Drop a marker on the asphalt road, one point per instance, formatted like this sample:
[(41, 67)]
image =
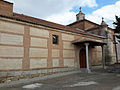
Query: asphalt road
[(93, 81)]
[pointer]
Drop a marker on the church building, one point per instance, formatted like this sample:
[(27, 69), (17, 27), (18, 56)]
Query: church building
[(32, 44)]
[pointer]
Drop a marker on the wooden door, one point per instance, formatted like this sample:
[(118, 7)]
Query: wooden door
[(82, 58)]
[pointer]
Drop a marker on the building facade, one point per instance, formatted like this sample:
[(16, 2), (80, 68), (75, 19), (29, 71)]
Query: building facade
[(28, 43)]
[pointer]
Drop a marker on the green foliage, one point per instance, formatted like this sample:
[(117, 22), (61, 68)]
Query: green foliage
[(118, 36), (117, 26)]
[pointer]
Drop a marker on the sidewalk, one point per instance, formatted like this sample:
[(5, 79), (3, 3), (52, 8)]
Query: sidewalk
[(9, 83), (72, 81), (30, 80)]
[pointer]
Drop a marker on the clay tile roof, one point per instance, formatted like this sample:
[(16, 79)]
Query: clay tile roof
[(48, 23), (92, 29), (36, 21), (90, 41), (82, 21), (44, 23)]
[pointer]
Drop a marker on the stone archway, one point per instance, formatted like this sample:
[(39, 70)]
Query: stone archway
[(82, 58)]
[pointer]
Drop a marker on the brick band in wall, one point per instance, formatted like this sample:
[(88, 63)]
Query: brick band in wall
[(26, 59)]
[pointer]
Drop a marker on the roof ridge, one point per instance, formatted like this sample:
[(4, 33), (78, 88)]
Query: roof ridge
[(41, 22), (39, 19), (83, 20)]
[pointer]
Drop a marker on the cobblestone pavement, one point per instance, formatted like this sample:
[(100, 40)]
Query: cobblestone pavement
[(92, 81)]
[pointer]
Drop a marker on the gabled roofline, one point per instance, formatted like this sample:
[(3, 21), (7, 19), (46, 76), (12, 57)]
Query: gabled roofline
[(62, 28), (87, 21), (82, 21), (80, 13)]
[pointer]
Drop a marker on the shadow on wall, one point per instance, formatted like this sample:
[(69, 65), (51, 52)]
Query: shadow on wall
[(108, 58), (118, 51)]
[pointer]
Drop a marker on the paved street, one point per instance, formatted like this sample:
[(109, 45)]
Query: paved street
[(93, 81)]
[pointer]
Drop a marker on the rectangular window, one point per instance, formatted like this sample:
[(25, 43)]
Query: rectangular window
[(55, 39), (77, 18)]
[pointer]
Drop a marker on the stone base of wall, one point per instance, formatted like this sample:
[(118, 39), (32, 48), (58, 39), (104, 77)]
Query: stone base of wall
[(32, 72), (116, 65), (17, 75), (111, 60)]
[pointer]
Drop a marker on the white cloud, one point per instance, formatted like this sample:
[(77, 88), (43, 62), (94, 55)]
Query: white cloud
[(58, 11), (64, 18), (108, 12), (89, 3), (48, 8)]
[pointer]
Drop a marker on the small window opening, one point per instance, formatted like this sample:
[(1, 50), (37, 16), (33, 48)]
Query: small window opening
[(55, 39), (77, 18)]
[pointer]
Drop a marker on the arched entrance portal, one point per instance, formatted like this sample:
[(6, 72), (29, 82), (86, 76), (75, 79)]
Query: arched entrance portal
[(82, 58)]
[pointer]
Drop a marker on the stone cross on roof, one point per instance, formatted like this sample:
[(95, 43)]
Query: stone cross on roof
[(102, 18), (80, 9)]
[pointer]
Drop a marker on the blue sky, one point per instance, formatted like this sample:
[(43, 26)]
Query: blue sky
[(100, 3), (64, 11)]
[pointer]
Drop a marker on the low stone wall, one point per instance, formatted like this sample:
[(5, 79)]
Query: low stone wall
[(17, 75), (42, 71)]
